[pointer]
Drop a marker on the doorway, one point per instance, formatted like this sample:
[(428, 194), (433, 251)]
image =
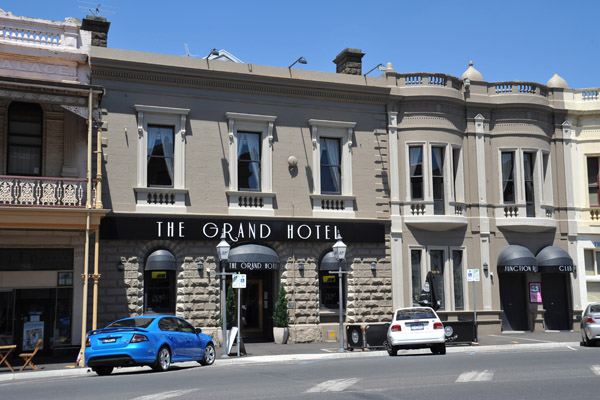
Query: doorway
[(256, 306), (514, 302), (555, 297)]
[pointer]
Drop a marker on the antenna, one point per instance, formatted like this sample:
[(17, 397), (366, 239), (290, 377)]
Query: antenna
[(187, 51), (95, 9)]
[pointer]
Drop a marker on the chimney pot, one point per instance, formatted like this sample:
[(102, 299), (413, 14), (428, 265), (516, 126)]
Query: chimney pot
[(349, 61)]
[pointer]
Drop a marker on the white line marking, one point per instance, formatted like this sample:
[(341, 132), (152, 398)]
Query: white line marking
[(165, 395), (336, 385), (523, 338), (572, 348), (475, 376), (595, 369)]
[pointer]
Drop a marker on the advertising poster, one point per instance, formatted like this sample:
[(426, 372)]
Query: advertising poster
[(32, 331)]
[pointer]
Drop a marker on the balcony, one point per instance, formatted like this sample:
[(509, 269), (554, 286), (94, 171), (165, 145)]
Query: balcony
[(513, 217), (44, 192), (422, 215)]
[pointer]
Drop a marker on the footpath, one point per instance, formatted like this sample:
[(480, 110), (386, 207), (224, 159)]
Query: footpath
[(52, 367)]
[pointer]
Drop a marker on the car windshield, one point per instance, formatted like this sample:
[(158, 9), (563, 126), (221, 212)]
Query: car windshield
[(415, 313), (595, 308), (132, 323)]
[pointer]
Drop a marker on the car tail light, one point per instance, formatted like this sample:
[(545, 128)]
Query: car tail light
[(438, 325), (87, 342), (138, 338), (590, 320), (396, 328)]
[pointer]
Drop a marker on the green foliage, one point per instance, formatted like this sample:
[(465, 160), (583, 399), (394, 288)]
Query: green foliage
[(281, 318), (230, 307)]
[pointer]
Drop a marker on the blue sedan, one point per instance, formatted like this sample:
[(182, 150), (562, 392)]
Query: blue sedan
[(154, 340)]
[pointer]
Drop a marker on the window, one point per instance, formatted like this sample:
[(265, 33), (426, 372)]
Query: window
[(24, 139), (415, 266), (457, 274), (416, 172), (330, 291), (593, 169), (508, 180), (160, 156), (528, 165), (330, 166), (437, 177), (592, 262), (249, 161), (457, 174), (436, 264)]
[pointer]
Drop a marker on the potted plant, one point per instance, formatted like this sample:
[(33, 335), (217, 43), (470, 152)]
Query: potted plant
[(281, 319)]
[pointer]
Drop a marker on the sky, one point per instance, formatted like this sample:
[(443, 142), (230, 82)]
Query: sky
[(508, 40)]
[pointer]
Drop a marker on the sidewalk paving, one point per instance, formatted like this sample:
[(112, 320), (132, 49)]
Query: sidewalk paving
[(51, 367)]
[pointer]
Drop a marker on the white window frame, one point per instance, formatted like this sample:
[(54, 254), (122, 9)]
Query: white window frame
[(426, 166), (465, 292), (339, 130), (264, 125), (168, 116), (517, 175), (448, 300), (458, 189), (423, 270)]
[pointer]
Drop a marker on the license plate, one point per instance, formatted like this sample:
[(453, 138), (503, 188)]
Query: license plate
[(112, 340), (416, 327)]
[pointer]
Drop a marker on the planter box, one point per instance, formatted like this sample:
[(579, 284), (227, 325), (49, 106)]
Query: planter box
[(280, 335)]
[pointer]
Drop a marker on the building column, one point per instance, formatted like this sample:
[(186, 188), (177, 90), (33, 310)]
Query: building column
[(396, 225)]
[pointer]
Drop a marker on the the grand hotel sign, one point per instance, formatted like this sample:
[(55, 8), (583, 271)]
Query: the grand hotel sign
[(238, 230)]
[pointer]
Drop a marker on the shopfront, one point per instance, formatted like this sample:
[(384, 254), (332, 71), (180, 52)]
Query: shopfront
[(535, 289), (170, 265)]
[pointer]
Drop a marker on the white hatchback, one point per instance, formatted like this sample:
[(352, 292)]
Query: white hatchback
[(416, 328)]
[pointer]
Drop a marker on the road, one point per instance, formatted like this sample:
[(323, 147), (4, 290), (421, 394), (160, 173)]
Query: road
[(567, 373)]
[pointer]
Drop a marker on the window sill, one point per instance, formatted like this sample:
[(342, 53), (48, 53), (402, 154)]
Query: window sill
[(250, 203), (333, 205), (161, 200)]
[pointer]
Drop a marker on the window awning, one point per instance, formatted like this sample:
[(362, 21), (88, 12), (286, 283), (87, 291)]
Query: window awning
[(161, 260), (517, 258), (329, 263), (553, 259), (250, 257)]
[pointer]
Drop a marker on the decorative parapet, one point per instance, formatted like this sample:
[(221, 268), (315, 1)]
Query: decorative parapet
[(43, 192), (156, 199), (422, 215), (518, 88), (429, 79), (250, 203), (332, 206)]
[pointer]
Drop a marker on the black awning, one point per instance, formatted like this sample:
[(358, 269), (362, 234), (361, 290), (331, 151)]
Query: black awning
[(329, 263), (517, 258), (161, 260), (554, 260), (253, 257)]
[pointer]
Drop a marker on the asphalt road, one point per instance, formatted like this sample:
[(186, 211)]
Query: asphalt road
[(566, 373)]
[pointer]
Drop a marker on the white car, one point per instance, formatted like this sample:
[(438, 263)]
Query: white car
[(416, 328)]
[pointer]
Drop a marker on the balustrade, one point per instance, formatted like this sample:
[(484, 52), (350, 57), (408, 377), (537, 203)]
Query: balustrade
[(49, 34), (45, 192)]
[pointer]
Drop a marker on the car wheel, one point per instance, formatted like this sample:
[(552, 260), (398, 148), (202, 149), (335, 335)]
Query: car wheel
[(163, 360), (209, 355), (439, 348), (392, 350), (103, 370), (584, 339)]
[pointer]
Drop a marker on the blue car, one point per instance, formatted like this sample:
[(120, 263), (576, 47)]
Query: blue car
[(154, 340)]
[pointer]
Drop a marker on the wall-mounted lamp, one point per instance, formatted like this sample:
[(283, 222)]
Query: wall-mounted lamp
[(373, 265), (120, 267), (200, 265), (300, 60), (379, 67), (301, 266), (485, 267)]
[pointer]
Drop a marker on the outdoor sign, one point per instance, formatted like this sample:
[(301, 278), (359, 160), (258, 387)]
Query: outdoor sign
[(535, 292), (473, 275), (239, 281)]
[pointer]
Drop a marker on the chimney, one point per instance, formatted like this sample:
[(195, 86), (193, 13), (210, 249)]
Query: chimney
[(99, 28), (349, 61)]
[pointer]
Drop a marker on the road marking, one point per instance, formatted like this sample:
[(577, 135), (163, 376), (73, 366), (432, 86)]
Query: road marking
[(336, 385), (165, 395), (572, 348), (475, 376), (595, 369)]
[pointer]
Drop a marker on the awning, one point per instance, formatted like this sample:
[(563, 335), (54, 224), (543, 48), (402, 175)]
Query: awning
[(250, 257), (516, 258), (553, 259), (161, 260), (329, 263)]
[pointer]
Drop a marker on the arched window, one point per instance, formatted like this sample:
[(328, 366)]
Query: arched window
[(24, 139), (329, 287), (159, 283)]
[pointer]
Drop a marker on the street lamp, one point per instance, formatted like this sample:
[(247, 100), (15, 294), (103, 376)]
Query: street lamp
[(339, 252), (223, 251)]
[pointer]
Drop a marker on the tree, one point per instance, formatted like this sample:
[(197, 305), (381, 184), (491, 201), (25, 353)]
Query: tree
[(281, 318)]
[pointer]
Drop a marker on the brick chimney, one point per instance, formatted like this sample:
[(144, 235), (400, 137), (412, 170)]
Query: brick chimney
[(99, 28), (349, 61)]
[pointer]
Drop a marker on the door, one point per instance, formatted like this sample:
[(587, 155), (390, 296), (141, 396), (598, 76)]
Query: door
[(555, 298), (252, 308), (514, 302)]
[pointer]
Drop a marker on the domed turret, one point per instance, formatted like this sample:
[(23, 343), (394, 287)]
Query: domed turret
[(557, 82), (472, 74)]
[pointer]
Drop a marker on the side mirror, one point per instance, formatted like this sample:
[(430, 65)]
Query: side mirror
[(198, 330)]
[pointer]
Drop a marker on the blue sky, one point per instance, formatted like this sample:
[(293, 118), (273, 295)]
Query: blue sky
[(527, 40)]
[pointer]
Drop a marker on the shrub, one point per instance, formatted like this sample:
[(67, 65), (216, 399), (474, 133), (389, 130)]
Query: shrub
[(281, 318)]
